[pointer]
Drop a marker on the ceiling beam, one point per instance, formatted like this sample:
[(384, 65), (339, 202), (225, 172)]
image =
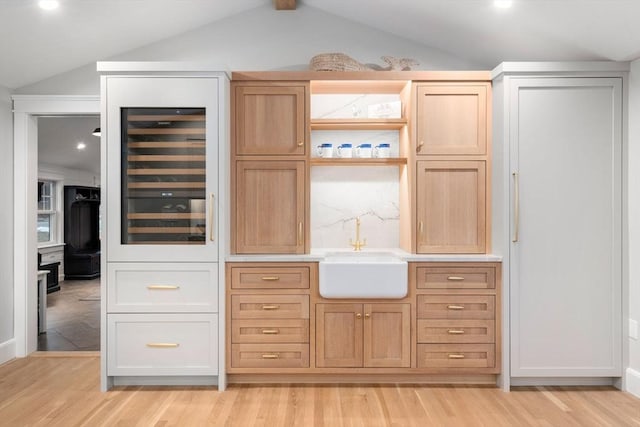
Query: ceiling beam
[(285, 4)]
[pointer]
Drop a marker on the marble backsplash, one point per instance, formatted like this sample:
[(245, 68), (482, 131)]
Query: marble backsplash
[(340, 194)]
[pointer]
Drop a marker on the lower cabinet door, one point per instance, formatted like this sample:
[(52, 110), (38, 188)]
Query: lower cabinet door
[(339, 337), (162, 344), (387, 335)]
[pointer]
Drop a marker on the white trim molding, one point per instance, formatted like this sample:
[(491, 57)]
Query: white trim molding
[(7, 350), (633, 382), (26, 109)]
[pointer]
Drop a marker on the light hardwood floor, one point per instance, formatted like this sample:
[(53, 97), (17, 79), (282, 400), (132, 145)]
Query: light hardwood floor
[(50, 389)]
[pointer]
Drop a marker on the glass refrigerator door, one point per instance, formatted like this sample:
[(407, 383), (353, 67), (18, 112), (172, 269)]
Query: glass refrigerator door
[(163, 176)]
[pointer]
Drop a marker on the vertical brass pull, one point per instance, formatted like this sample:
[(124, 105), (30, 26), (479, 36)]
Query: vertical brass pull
[(420, 229), (300, 230), (212, 199), (420, 144), (455, 307), (456, 356), (516, 207), (358, 316)]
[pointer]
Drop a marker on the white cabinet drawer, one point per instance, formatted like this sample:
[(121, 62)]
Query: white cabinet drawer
[(150, 287), (57, 256), (162, 344)]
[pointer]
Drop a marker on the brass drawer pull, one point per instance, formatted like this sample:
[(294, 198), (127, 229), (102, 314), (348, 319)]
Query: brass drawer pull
[(271, 278), (270, 307), (455, 278), (456, 356), (455, 307), (270, 356), (270, 332), (163, 287), (163, 345), (455, 332)]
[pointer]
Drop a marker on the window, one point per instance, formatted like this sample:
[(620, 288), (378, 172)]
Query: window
[(47, 211)]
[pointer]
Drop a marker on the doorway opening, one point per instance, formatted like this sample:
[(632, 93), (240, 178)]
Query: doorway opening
[(27, 109), (68, 233)]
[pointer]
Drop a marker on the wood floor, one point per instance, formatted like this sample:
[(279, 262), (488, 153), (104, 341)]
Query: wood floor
[(45, 390)]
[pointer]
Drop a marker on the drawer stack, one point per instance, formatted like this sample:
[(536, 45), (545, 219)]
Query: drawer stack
[(269, 315), (162, 319), (457, 320)]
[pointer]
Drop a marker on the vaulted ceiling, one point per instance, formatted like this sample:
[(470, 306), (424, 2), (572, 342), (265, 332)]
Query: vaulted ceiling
[(36, 44)]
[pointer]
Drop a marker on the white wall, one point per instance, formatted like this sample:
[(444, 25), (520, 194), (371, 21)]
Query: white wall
[(264, 39), (633, 374), (68, 176), (6, 222)]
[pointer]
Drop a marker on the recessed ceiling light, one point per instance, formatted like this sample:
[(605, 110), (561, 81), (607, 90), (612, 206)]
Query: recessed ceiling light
[(81, 146), (503, 4), (48, 4)]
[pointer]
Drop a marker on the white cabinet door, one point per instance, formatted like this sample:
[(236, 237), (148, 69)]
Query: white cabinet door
[(566, 139), (163, 142)]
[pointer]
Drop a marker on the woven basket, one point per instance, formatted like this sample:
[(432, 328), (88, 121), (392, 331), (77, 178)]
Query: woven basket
[(335, 62)]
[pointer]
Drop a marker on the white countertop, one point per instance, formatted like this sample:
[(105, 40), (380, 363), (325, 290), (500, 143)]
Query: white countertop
[(319, 255)]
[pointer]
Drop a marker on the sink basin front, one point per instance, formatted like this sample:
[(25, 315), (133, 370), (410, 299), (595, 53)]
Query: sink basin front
[(363, 275)]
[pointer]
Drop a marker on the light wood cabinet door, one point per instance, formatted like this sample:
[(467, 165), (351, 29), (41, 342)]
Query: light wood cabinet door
[(339, 335), (451, 120), (269, 208), (451, 207), (270, 120), (387, 335)]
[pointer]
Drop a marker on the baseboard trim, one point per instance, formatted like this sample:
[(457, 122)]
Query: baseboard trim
[(283, 378), (168, 380), (7, 350), (633, 382), (562, 381)]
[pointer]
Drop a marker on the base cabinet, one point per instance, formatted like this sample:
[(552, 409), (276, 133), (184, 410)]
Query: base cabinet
[(363, 335), (447, 326)]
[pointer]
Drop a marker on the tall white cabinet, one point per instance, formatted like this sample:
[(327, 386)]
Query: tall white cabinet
[(164, 155), (558, 219)]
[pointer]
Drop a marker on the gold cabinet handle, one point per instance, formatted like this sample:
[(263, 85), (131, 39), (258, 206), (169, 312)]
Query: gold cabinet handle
[(271, 356), (455, 307), (456, 356), (163, 287), (367, 316), (212, 199), (455, 332), (270, 332), (300, 230), (455, 278), (300, 144), (163, 344), (270, 278), (420, 230), (270, 307), (420, 144), (516, 207), (358, 316)]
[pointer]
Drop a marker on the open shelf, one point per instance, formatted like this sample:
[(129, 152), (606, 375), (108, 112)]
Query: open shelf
[(393, 161), (357, 124)]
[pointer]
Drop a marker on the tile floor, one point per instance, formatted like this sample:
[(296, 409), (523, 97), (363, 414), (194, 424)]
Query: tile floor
[(73, 317)]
